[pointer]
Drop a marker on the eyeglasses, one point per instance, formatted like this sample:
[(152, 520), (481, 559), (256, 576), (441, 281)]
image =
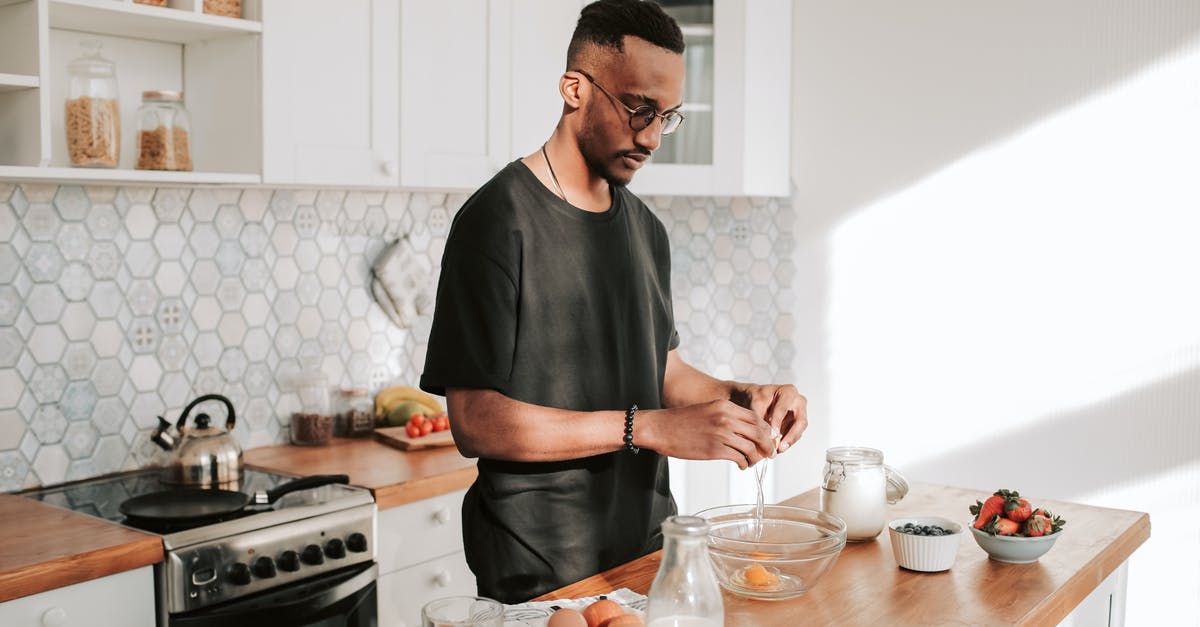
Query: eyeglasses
[(643, 116)]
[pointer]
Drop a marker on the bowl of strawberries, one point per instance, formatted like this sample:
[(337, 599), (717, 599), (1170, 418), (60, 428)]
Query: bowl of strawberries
[(1012, 530)]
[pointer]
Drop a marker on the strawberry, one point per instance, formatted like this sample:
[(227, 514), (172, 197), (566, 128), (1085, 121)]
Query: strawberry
[(992, 506), (1037, 526), (1017, 509), (1001, 526)]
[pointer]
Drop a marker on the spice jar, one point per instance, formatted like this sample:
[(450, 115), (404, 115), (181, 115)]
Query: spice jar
[(163, 126), (857, 488), (93, 121), (313, 423), (356, 414)]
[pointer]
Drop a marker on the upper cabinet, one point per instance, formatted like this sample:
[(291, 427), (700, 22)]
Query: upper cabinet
[(478, 85), (213, 59), (735, 139), (331, 92)]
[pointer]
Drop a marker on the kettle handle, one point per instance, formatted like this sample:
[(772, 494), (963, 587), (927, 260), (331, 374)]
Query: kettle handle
[(229, 422)]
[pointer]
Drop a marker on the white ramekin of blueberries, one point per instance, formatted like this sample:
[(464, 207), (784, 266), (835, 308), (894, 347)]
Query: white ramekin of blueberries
[(925, 543)]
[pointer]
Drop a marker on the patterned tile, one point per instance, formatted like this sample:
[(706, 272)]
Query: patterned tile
[(169, 204), (44, 262), (79, 361), (13, 470)]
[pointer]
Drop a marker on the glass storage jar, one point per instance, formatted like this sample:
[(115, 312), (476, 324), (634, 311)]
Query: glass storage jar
[(313, 423), (163, 127), (93, 121), (858, 487), (356, 414)]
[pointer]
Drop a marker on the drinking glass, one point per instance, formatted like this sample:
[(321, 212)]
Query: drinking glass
[(462, 612)]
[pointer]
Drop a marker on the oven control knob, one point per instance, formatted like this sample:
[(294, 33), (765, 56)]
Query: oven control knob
[(312, 555), (264, 567), (289, 561), (238, 574), (335, 549), (357, 542)]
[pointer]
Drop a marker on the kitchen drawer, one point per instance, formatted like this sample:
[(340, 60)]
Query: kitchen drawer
[(127, 600), (418, 532), (404, 592)]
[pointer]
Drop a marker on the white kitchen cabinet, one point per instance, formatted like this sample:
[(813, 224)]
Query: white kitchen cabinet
[(330, 92), (420, 557), (212, 59), (454, 68), (479, 85), (735, 140), (121, 600)]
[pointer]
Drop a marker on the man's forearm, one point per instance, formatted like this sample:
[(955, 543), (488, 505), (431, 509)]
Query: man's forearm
[(489, 424), (684, 385)]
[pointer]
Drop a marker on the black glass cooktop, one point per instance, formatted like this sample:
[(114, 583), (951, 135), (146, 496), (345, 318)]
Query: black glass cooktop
[(102, 496)]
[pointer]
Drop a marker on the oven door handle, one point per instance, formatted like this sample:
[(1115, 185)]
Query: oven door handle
[(277, 610)]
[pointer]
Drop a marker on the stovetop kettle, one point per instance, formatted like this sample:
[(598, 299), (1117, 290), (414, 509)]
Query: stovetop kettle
[(205, 456)]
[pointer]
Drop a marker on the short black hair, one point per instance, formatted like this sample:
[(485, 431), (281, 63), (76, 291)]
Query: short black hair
[(605, 23)]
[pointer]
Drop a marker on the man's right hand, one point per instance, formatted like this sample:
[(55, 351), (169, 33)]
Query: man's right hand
[(718, 429)]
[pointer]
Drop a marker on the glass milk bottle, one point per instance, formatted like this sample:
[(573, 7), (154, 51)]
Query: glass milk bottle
[(685, 591), (857, 488)]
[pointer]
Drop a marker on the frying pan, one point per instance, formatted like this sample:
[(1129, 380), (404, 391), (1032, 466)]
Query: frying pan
[(203, 504)]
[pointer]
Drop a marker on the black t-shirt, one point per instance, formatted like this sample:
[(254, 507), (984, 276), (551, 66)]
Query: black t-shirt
[(555, 306)]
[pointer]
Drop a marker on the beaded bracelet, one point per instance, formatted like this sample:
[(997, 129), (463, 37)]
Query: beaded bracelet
[(629, 430)]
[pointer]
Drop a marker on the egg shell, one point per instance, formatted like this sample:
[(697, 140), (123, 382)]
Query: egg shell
[(567, 617), (602, 611)]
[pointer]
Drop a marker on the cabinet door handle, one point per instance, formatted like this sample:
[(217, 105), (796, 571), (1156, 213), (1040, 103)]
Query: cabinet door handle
[(54, 617), (441, 579), (441, 516), (390, 168)]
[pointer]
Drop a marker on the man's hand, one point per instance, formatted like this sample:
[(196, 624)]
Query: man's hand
[(717, 429), (780, 405)]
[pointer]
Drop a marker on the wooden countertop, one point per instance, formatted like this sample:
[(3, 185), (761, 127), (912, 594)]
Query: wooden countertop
[(395, 477), (866, 587), (43, 547)]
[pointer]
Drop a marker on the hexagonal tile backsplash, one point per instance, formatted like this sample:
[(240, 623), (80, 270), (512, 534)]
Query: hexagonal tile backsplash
[(118, 305)]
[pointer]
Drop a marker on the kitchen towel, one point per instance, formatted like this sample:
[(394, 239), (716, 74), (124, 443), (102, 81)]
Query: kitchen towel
[(401, 285), (535, 613)]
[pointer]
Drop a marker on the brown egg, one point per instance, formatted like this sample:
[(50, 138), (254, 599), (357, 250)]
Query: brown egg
[(628, 620), (599, 613), (567, 617)]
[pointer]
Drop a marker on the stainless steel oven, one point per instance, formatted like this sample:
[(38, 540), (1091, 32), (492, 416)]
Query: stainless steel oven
[(308, 559)]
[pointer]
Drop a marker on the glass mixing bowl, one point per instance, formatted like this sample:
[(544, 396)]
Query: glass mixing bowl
[(780, 557)]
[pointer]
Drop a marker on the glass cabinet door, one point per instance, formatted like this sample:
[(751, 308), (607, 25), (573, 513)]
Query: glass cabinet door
[(692, 143)]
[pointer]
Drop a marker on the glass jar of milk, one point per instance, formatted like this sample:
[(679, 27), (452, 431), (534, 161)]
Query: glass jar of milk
[(857, 488)]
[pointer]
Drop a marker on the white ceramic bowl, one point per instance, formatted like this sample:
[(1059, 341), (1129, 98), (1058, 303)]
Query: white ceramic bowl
[(928, 554), (1012, 549)]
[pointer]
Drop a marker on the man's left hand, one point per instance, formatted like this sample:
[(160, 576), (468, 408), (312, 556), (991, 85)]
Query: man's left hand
[(782, 406)]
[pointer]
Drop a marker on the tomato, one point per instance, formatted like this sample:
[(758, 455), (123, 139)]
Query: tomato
[(442, 423), (412, 430), (426, 427), (416, 418)]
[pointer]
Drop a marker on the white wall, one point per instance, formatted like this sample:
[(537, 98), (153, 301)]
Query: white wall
[(998, 253)]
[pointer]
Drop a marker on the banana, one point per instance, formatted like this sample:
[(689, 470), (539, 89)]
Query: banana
[(390, 397)]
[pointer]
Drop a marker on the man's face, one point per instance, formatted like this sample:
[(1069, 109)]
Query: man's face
[(644, 74)]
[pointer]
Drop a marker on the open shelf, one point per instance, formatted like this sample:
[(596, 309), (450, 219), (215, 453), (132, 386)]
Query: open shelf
[(105, 175), (14, 82), (140, 21)]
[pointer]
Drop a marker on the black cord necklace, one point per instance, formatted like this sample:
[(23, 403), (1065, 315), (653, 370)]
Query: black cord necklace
[(554, 178)]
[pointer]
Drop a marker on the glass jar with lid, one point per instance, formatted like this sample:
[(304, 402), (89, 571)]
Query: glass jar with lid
[(858, 487), (163, 127), (93, 121), (355, 414), (313, 423)]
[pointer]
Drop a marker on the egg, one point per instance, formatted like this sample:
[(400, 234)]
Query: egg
[(599, 613), (628, 620), (567, 617)]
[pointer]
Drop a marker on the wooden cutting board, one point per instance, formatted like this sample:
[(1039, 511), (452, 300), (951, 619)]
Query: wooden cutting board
[(395, 436)]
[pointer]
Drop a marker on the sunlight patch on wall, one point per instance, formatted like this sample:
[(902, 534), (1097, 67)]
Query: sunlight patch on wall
[(1051, 270)]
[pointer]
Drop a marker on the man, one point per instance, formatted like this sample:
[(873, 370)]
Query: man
[(553, 336)]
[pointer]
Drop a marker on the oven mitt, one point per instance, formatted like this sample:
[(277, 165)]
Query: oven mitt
[(401, 285)]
